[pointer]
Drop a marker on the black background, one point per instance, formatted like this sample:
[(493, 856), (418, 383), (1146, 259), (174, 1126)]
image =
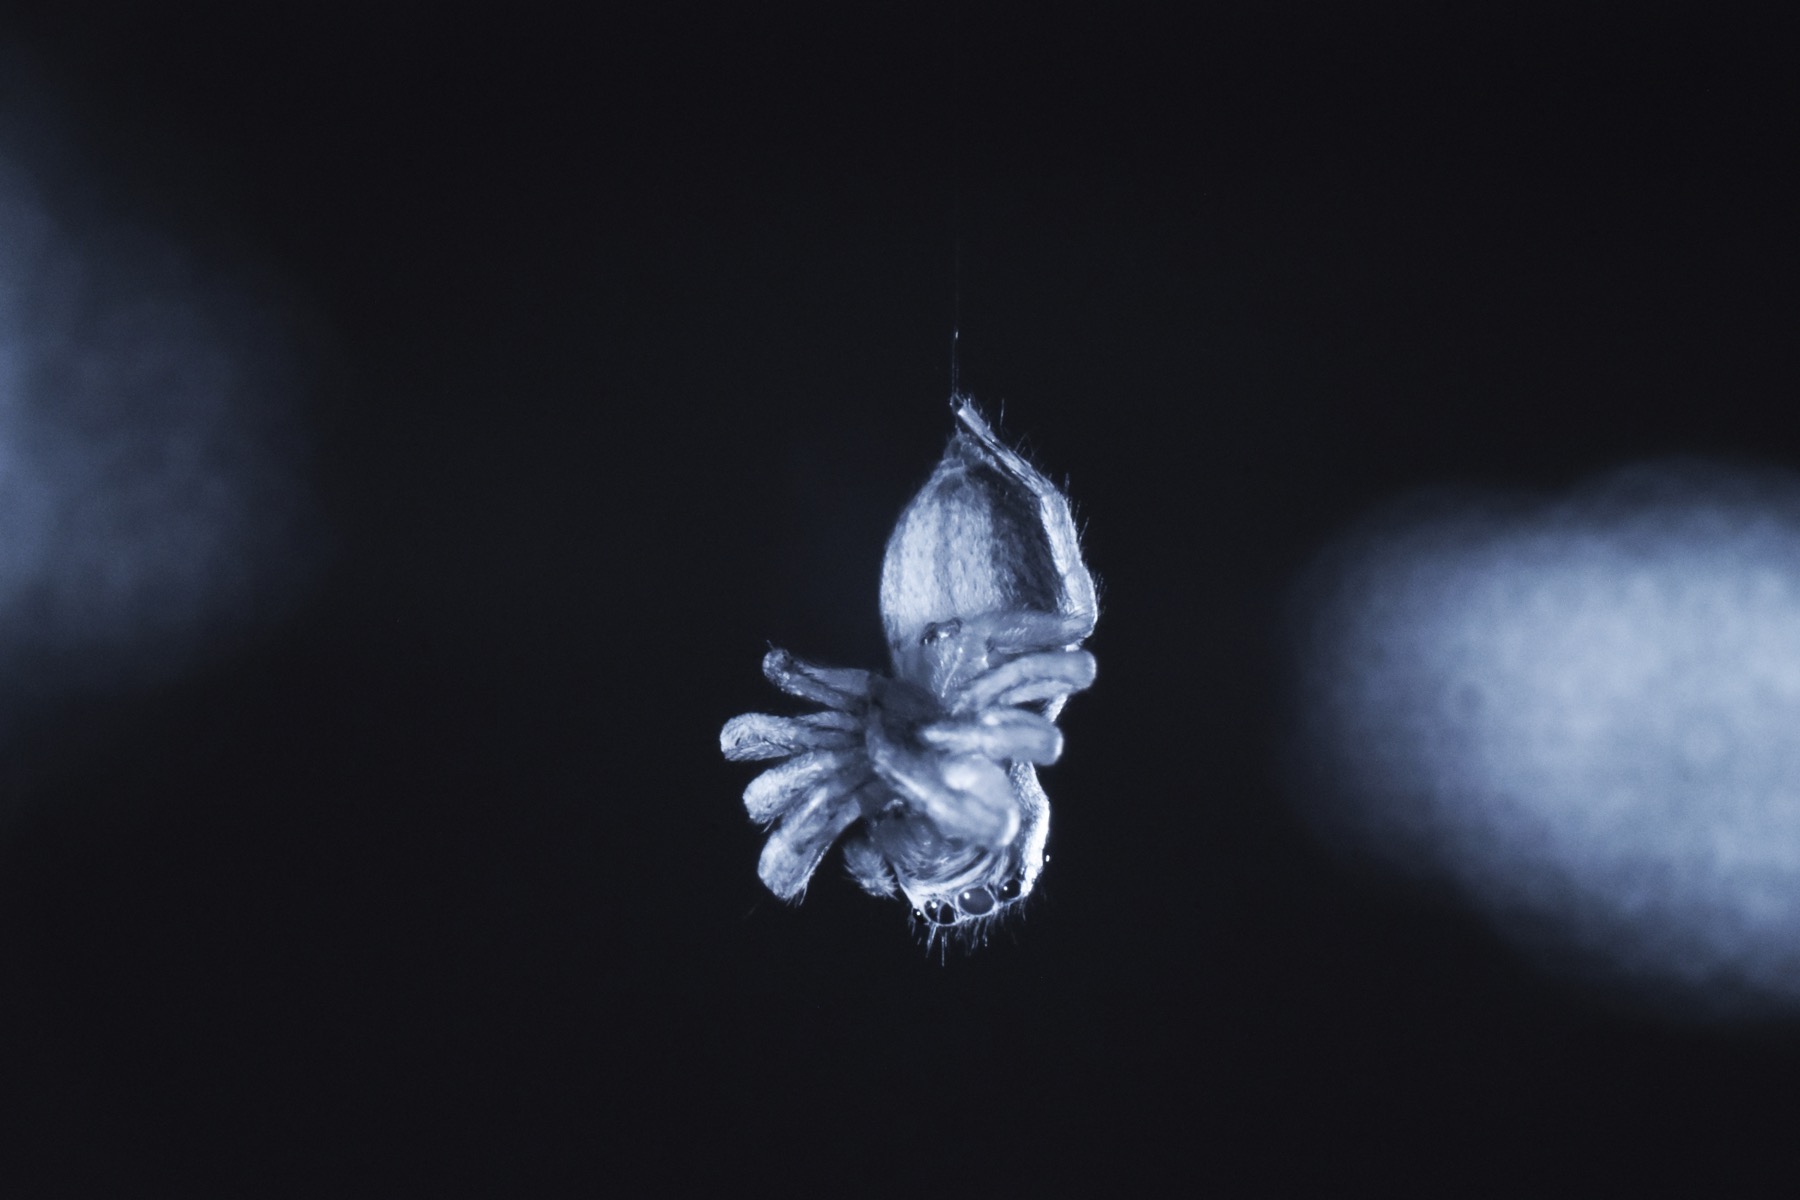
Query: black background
[(632, 340)]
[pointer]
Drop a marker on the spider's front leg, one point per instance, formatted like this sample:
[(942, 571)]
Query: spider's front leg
[(756, 736), (794, 851), (824, 785), (965, 793), (843, 688), (1001, 734), (1026, 656), (1026, 631), (1050, 675)]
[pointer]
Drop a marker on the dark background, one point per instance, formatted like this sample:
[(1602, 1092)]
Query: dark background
[(632, 340)]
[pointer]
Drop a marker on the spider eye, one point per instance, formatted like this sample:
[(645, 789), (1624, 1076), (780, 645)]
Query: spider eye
[(1010, 889), (976, 901), (940, 913), (938, 631)]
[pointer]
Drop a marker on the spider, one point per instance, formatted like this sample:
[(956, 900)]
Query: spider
[(931, 770)]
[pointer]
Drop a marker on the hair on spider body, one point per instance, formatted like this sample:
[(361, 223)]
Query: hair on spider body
[(956, 923), (928, 774)]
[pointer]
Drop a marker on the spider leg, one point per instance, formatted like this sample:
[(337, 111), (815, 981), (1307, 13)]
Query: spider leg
[(869, 867), (759, 735), (835, 687), (793, 851), (779, 788), (1002, 734), (1027, 629), (993, 820), (967, 796), (1047, 676)]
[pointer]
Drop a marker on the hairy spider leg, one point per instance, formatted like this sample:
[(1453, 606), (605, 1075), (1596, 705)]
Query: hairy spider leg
[(1002, 734), (771, 794), (1025, 630), (794, 850), (1051, 675), (756, 736), (843, 688), (967, 796), (868, 866)]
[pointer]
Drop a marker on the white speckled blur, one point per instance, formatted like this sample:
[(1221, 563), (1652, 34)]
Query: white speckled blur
[(1586, 715)]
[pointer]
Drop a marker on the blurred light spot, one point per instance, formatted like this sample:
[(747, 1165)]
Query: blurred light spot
[(150, 502), (1583, 715)]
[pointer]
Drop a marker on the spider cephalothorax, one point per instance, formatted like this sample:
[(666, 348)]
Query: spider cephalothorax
[(985, 601)]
